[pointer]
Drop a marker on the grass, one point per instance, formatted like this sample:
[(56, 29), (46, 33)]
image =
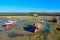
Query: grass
[(53, 33)]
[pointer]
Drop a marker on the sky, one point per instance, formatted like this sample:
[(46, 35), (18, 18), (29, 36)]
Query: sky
[(29, 5)]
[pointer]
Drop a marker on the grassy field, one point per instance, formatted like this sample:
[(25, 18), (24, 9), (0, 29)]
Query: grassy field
[(54, 35)]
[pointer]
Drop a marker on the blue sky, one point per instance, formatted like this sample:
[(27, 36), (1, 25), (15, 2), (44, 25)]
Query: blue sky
[(29, 5)]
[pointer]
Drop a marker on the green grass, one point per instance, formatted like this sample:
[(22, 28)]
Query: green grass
[(39, 34), (53, 25)]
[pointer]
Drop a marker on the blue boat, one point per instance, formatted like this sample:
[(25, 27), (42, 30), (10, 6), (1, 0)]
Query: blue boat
[(58, 29), (29, 28)]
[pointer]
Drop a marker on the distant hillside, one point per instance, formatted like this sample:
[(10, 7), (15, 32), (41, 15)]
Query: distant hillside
[(31, 14)]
